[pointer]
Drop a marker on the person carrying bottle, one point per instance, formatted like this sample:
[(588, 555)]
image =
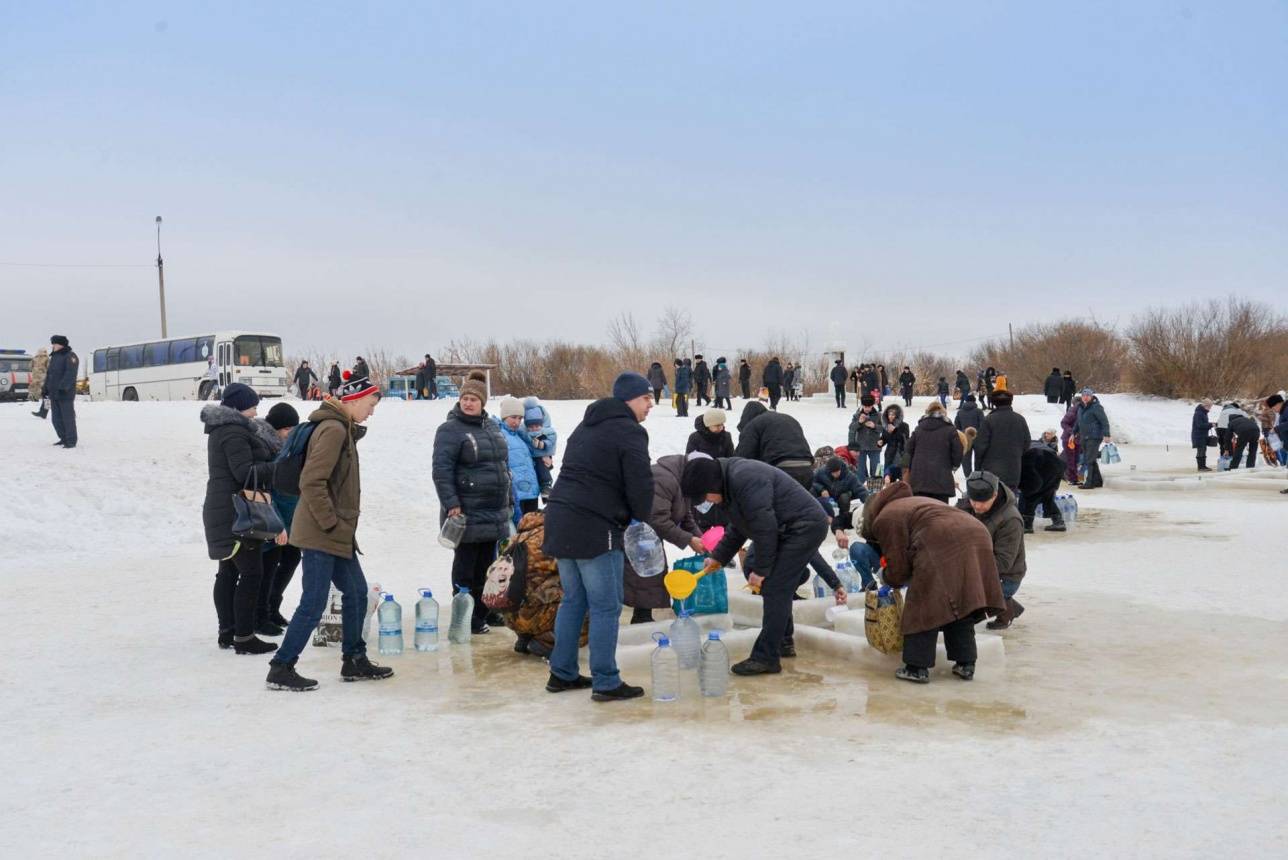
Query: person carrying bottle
[(325, 528), (787, 526), (605, 481)]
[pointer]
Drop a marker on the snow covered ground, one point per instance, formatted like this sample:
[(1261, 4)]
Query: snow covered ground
[(1139, 709)]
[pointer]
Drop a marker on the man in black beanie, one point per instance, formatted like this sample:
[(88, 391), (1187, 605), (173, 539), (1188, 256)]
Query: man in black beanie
[(784, 521), (60, 388), (993, 504)]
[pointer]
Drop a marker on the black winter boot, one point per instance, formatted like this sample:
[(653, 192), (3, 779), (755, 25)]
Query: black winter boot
[(225, 639), (253, 645), (359, 668), (914, 674), (282, 676), (965, 671), (555, 684), (521, 644), (619, 693), (788, 648), (537, 648), (641, 616), (1057, 525), (755, 667)]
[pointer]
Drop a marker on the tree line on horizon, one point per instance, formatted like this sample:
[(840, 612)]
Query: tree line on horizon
[(1221, 348)]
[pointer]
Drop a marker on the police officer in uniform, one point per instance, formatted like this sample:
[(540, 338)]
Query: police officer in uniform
[(60, 388)]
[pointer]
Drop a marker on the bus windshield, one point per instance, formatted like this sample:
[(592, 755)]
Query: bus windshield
[(253, 350)]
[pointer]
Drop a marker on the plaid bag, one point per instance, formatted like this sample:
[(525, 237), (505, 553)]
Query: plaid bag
[(881, 624)]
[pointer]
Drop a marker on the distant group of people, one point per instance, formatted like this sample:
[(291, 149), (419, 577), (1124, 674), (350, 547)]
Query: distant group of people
[(694, 376), (1240, 430)]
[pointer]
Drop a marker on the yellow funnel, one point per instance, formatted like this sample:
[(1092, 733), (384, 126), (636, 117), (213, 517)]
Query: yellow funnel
[(681, 583)]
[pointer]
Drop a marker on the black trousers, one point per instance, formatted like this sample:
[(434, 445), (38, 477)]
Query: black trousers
[(1044, 496), (237, 588), (1200, 454), (1241, 442), (840, 395), (803, 475), (657, 395), (280, 563), (469, 570), (682, 405), (959, 640), (907, 397), (746, 390), (968, 460), (62, 412), (796, 546), (775, 395), (1091, 455), (702, 394)]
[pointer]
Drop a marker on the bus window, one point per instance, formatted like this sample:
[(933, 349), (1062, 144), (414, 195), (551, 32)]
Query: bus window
[(113, 359), (131, 357), (156, 354), (253, 350), (100, 360), (184, 351)]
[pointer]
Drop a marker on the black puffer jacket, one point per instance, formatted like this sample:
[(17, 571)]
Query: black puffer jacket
[(771, 437), (762, 501), (605, 481), (934, 454), (1040, 468), (1053, 387), (1002, 441), (234, 453), (969, 415), (715, 445), (472, 472)]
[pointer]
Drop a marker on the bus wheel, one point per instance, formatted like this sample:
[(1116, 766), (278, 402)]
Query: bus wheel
[(203, 393), (130, 394)]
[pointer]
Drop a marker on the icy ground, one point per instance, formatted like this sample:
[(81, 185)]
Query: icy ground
[(1139, 710)]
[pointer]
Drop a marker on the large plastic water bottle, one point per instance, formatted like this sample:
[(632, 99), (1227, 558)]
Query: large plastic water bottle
[(845, 571), (426, 621), (686, 639), (820, 587), (644, 549), (885, 596), (462, 611), (666, 671), (1071, 507), (713, 672), (390, 614)]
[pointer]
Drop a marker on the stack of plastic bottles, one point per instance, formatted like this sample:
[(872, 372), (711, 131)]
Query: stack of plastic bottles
[(1067, 504), (683, 651)]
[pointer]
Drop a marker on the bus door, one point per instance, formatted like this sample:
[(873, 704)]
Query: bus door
[(225, 362)]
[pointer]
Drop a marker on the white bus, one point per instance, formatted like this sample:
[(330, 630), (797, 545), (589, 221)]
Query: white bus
[(178, 368)]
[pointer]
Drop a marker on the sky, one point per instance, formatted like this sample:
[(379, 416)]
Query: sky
[(402, 175)]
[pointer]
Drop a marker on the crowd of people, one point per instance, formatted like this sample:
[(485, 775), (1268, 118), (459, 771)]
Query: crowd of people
[(777, 499)]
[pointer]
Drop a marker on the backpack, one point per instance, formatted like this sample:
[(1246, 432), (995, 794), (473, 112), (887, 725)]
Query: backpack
[(290, 460)]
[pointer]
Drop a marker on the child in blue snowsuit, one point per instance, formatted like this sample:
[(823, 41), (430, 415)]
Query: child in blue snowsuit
[(542, 438)]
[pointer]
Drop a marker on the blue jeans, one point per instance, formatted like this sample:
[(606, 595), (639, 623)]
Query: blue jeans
[(320, 570), (594, 586), (1010, 587), (869, 464), (865, 560)]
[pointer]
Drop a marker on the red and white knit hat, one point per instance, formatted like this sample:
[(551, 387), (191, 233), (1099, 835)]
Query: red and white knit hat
[(355, 387)]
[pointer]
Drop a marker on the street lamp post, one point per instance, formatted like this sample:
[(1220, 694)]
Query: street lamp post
[(161, 277)]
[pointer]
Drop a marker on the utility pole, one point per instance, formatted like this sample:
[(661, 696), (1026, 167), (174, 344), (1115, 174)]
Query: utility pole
[(161, 278), (1009, 328)]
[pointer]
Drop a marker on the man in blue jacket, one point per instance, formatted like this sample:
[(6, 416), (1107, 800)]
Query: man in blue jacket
[(1200, 429), (1093, 431), (605, 482), (60, 388)]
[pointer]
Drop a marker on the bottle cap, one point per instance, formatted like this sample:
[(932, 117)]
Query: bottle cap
[(663, 642), (425, 592), (389, 595), (714, 636), (464, 590)]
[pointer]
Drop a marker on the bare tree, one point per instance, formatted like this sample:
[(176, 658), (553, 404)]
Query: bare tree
[(673, 332)]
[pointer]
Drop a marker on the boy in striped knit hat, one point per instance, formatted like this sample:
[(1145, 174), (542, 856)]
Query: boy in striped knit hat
[(325, 528)]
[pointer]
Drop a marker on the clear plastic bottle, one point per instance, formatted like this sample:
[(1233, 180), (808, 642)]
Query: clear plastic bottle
[(666, 671), (713, 672), (462, 610), (426, 621), (820, 587), (644, 549), (390, 614), (885, 596), (845, 571), (686, 639)]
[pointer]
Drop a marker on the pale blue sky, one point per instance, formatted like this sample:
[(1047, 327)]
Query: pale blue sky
[(405, 174)]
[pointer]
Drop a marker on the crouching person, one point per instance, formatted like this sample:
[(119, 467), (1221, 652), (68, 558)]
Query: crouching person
[(945, 558), (604, 482), (324, 528), (993, 504), (787, 525), (533, 622)]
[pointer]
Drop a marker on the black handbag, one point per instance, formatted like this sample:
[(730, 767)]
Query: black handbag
[(254, 517)]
